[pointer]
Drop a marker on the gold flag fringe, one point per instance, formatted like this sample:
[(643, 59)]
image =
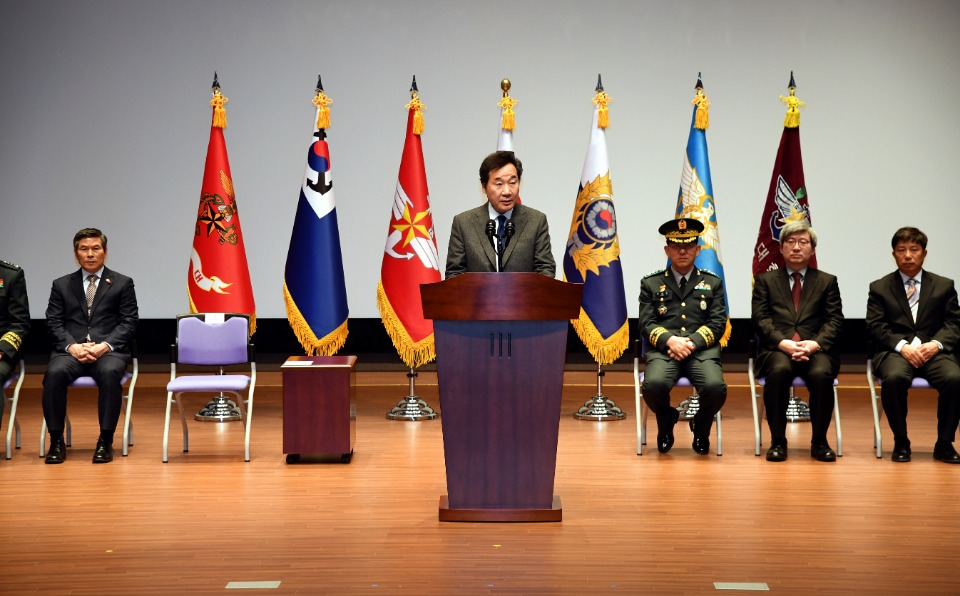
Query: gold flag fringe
[(601, 100), (604, 351), (414, 354), (702, 120), (253, 316), (327, 345), (507, 103), (792, 119), (322, 100), (726, 334), (417, 106), (219, 112)]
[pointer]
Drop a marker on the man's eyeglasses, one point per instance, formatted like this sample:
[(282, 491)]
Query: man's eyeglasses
[(801, 242)]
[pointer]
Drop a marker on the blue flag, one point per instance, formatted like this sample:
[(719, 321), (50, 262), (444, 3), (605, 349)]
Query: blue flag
[(695, 199), (592, 255), (313, 286)]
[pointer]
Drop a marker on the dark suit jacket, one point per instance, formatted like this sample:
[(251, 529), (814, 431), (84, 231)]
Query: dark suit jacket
[(470, 250), (14, 310), (699, 313), (113, 318), (819, 317), (889, 319)]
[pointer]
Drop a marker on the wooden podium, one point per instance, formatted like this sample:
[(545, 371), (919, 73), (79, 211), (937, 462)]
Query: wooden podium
[(319, 406), (501, 346)]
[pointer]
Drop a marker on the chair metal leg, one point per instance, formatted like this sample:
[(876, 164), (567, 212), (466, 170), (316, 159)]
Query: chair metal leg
[(636, 395), (757, 439), (247, 424), (166, 426), (183, 422), (876, 414), (13, 423), (719, 434), (836, 421)]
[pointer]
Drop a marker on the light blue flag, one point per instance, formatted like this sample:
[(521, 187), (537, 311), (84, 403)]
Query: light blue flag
[(696, 199)]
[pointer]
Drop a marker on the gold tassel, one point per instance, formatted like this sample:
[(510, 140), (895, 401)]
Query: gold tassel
[(604, 351), (322, 100), (312, 345), (507, 103), (601, 100), (792, 119), (219, 112), (702, 119), (417, 106), (726, 334), (414, 354)]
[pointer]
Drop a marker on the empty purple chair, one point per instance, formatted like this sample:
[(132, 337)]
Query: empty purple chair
[(212, 340)]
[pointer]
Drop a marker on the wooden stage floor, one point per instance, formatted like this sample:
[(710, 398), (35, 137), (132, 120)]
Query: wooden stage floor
[(675, 523)]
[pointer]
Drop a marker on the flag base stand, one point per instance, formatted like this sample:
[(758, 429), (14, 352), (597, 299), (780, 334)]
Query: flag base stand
[(219, 409), (599, 407), (412, 407), (797, 410), (689, 407)]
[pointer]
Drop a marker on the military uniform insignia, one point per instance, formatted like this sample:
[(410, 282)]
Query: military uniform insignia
[(703, 303), (1, 283), (655, 273), (702, 285), (662, 310)]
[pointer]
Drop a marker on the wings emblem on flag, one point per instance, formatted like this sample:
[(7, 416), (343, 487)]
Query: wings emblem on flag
[(592, 242), (698, 205), (789, 207), (409, 235)]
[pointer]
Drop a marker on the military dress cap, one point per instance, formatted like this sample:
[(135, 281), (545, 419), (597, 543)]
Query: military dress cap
[(682, 231)]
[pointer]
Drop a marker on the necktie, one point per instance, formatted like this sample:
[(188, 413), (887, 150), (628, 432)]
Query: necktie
[(683, 284), (913, 296), (501, 227), (91, 291), (797, 288)]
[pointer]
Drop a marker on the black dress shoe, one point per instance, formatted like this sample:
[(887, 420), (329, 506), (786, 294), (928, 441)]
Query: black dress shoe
[(823, 452), (777, 451), (665, 437), (57, 453), (901, 453), (944, 451), (701, 445), (103, 453)]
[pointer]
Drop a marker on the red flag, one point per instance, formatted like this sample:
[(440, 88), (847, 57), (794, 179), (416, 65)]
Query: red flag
[(787, 197), (218, 279), (410, 257)]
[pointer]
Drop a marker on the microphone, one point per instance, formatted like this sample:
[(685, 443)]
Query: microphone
[(491, 228), (508, 232)]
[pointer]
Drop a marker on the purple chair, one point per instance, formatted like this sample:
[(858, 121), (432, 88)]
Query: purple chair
[(757, 401), (212, 340), (12, 401), (639, 353), (129, 381), (873, 381)]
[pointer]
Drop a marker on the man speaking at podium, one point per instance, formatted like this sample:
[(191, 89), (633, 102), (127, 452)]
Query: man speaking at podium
[(502, 235)]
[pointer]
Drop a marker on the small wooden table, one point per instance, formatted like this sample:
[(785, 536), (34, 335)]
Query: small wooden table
[(319, 406)]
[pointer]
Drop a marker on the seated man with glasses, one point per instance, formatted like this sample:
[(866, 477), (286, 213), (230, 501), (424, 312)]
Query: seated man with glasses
[(797, 316), (683, 315)]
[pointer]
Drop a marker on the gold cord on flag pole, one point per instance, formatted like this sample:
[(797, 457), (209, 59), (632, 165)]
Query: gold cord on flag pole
[(792, 119), (417, 106), (321, 100), (601, 100), (702, 120), (507, 104), (217, 102)]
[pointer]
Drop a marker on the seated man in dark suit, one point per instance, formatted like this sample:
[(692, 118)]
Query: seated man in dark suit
[(797, 316), (501, 235), (92, 320), (14, 318), (914, 318), (683, 315)]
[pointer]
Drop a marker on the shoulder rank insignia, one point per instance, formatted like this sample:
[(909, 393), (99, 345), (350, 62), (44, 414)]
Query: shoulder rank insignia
[(708, 272), (657, 272)]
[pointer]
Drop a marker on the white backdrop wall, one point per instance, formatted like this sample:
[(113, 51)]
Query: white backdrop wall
[(105, 123)]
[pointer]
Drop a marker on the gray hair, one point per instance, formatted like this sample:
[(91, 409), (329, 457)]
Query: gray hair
[(798, 227)]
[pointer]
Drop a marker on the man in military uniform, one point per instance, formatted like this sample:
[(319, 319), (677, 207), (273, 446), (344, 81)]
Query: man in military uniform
[(682, 317), (14, 318)]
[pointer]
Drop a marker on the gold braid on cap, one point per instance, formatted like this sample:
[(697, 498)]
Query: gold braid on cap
[(13, 339), (655, 335), (707, 335)]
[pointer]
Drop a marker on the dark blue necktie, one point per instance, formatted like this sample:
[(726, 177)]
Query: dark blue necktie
[(501, 227)]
